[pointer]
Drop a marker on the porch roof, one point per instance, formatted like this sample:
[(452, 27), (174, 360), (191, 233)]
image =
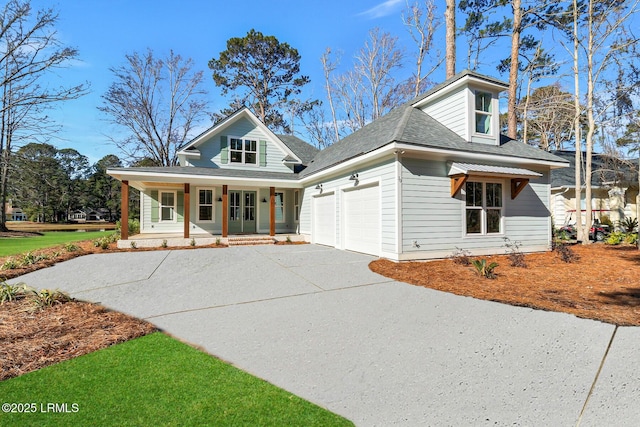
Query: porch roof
[(144, 176)]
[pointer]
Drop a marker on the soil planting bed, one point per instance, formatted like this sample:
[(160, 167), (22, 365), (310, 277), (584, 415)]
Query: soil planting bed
[(604, 284)]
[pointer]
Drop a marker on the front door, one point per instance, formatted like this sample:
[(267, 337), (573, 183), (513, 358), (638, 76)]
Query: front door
[(242, 212)]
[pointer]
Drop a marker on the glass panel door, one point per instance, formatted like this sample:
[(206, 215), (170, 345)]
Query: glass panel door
[(249, 225), (235, 220)]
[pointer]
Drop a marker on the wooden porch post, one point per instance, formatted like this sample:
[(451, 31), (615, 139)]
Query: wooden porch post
[(272, 211), (225, 212), (124, 215), (187, 209)]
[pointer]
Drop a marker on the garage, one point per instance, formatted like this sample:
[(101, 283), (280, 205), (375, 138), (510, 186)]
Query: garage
[(362, 219), (324, 219)]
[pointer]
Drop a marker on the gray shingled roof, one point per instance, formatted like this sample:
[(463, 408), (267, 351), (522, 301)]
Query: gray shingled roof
[(413, 126), (213, 172), (305, 151), (455, 78), (605, 170)]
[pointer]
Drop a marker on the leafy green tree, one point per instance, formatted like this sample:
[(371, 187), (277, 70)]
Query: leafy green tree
[(39, 179), (261, 73), (103, 190), (75, 168)]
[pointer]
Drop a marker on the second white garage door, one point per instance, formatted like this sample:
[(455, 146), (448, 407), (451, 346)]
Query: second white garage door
[(361, 216)]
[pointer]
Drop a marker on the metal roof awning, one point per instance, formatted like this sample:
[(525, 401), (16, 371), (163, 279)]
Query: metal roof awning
[(460, 172)]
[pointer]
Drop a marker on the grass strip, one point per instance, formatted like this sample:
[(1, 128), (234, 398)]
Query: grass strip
[(154, 380), (17, 245)]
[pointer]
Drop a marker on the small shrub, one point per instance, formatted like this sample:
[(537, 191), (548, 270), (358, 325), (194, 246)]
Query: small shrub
[(566, 253), (31, 258), (614, 238), (461, 256), (515, 255), (606, 220), (48, 298), (631, 239), (485, 270), (12, 292), (10, 264), (288, 240), (218, 242), (134, 245), (164, 243), (192, 242), (134, 227), (70, 247), (629, 224)]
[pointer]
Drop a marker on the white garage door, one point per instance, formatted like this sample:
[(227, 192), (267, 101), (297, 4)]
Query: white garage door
[(362, 219), (324, 219)]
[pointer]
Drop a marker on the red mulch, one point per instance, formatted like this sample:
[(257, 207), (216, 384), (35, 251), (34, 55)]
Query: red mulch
[(604, 284)]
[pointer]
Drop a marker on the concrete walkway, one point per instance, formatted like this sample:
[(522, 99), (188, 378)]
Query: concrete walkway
[(317, 322)]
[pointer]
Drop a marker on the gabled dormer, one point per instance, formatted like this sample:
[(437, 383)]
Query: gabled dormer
[(240, 141), (468, 104)]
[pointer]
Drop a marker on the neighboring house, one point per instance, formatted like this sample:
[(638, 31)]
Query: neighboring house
[(14, 213), (431, 176), (90, 215), (614, 186)]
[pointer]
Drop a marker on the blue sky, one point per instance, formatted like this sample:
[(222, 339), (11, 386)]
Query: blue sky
[(105, 30)]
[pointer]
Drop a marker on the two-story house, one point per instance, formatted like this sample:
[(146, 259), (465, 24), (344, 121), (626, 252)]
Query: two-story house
[(431, 176)]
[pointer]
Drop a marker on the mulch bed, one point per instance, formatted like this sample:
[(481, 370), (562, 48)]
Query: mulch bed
[(33, 338), (604, 284)]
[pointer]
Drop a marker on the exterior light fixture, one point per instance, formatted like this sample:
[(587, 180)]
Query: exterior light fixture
[(319, 187), (353, 177), (219, 199), (264, 200)]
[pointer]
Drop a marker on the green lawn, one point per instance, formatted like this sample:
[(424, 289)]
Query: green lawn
[(155, 381), (17, 245)]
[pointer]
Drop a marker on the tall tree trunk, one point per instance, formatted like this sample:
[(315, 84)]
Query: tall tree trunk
[(576, 123), (512, 118), (591, 125), (450, 23)]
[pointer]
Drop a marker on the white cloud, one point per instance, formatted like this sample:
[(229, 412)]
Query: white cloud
[(383, 9)]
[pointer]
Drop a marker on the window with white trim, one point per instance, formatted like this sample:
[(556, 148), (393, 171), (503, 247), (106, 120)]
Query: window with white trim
[(483, 112), (243, 151), (483, 207), (167, 206), (296, 205), (205, 204), (279, 206)]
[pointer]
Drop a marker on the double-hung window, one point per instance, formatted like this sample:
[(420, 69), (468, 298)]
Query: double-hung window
[(205, 205), (243, 151), (483, 112), (483, 207), (167, 206)]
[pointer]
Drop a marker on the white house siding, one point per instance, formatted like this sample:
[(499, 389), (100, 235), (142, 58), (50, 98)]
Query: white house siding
[(528, 217), (383, 173), (451, 112), (243, 128), (433, 221)]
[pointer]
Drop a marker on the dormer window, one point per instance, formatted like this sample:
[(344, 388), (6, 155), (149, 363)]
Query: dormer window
[(483, 112)]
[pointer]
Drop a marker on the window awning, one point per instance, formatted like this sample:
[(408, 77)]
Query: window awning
[(460, 172)]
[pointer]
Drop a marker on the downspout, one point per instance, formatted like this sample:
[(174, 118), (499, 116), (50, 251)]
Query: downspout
[(398, 158)]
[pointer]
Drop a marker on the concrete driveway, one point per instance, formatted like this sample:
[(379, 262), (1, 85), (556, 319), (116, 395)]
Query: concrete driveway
[(317, 322)]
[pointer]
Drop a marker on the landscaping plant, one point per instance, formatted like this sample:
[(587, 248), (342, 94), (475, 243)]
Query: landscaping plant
[(629, 225), (566, 253), (485, 270), (515, 255), (12, 292), (461, 257), (48, 298)]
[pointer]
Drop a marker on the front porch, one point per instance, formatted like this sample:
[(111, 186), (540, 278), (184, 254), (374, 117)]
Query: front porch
[(173, 240)]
